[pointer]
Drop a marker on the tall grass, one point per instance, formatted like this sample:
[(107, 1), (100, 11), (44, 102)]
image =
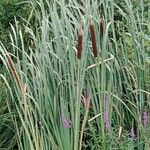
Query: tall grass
[(67, 102)]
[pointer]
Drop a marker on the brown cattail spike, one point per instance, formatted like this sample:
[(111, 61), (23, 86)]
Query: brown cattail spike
[(11, 63), (93, 38), (13, 70), (102, 26), (79, 43)]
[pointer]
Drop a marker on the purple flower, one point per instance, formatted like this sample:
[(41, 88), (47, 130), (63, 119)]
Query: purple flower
[(106, 114), (106, 103), (106, 120), (145, 119), (65, 121), (132, 133)]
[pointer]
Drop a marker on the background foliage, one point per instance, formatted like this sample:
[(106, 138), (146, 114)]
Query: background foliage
[(10, 9)]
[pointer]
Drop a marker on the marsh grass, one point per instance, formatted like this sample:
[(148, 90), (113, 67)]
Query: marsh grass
[(48, 78)]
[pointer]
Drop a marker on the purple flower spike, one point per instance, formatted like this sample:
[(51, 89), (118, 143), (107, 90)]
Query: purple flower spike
[(132, 133), (145, 119), (106, 120), (65, 121), (106, 114)]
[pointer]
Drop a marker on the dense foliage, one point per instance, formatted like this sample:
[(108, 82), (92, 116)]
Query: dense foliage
[(77, 75), (9, 10)]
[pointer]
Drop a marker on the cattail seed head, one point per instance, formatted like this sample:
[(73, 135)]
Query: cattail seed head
[(13, 71), (93, 38), (79, 43), (10, 63), (102, 28)]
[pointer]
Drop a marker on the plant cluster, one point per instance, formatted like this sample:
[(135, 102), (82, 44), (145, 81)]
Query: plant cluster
[(79, 79)]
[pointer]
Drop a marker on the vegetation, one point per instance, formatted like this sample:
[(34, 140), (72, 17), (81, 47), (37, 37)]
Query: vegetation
[(10, 9), (77, 76)]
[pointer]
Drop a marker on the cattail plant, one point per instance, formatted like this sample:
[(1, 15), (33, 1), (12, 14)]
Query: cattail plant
[(93, 37), (79, 42)]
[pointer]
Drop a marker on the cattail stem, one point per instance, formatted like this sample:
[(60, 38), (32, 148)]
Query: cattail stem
[(93, 38)]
